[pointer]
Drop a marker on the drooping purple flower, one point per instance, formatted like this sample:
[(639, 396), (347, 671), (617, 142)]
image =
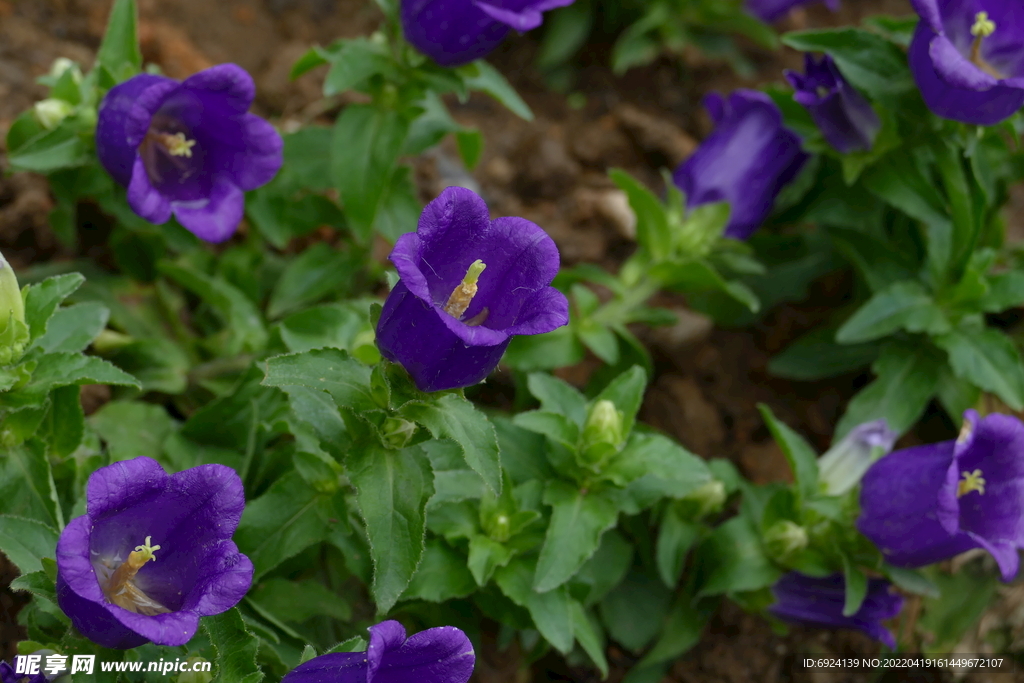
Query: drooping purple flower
[(842, 466), (468, 284), (968, 58), (152, 554), (842, 114), (810, 601), (455, 32), (437, 655), (188, 148), (928, 503), (745, 161), (770, 10)]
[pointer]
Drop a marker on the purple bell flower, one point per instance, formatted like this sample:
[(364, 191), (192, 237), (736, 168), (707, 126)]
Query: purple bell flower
[(456, 32), (745, 161), (152, 554), (447, 330), (810, 601), (188, 148), (842, 114), (437, 655), (968, 58), (770, 10), (928, 503)]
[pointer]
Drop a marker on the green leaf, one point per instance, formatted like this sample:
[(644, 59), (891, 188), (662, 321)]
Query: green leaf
[(551, 611), (987, 358), (317, 272), (298, 601), (41, 586), (682, 630), (442, 575), (342, 326), (578, 520), (26, 542), (868, 61), (599, 339), (816, 356), (64, 425), (627, 393), (453, 417), (483, 77), (73, 328), (912, 581), (42, 300), (963, 598), (392, 489), (62, 147), (120, 46), (856, 587), (364, 150), (558, 396), (242, 321), (589, 636), (605, 569), (236, 648), (676, 537), (400, 208), (27, 487), (802, 459), (633, 611), (471, 146), (658, 462), (1006, 290), (652, 227), (311, 59), (731, 560), (486, 555), (331, 370), (356, 61), (61, 369), (132, 428), (285, 520), (903, 305), (907, 376), (556, 349)]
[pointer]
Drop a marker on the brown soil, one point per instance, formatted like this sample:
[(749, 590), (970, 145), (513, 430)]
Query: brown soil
[(552, 170)]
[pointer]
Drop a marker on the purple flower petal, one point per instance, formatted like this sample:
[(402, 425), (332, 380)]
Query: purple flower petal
[(437, 655), (189, 149), (844, 117), (455, 32), (198, 571), (819, 602), (770, 10), (439, 350), (745, 161)]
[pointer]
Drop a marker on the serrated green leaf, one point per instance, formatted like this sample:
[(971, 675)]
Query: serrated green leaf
[(392, 490), (442, 575), (453, 417), (131, 429), (557, 396), (73, 328), (27, 487), (988, 359), (331, 370), (42, 300), (236, 648), (61, 369), (551, 611), (731, 560), (26, 541)]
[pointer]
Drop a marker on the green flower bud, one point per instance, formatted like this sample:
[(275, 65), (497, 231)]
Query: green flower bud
[(63, 64), (705, 500), (602, 433), (398, 432), (784, 538), (50, 112), (13, 331), (194, 676)]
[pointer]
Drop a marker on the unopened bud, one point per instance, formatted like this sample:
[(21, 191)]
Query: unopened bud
[(398, 432), (705, 500), (62, 65), (842, 466), (50, 112), (13, 331), (784, 538), (604, 424)]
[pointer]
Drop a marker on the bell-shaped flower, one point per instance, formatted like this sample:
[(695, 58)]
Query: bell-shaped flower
[(455, 32), (968, 58), (437, 655), (745, 161), (928, 503), (842, 466), (810, 601), (841, 113), (467, 285), (770, 10), (9, 674), (189, 149), (152, 554)]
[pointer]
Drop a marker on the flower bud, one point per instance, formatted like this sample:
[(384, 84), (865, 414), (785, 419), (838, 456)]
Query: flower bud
[(62, 65), (784, 538), (192, 676), (602, 433), (705, 500), (843, 465), (50, 112), (13, 331), (397, 432)]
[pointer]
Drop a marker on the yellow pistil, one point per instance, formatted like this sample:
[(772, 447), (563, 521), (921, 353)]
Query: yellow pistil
[(177, 145), (972, 481), (983, 27), (121, 590), (463, 294)]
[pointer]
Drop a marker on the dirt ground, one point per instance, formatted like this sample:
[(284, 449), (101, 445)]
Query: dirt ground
[(552, 171)]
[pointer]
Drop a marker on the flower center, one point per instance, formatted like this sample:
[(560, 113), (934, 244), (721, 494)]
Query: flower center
[(177, 145), (120, 588), (462, 295), (164, 154), (823, 92), (972, 481), (983, 27)]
